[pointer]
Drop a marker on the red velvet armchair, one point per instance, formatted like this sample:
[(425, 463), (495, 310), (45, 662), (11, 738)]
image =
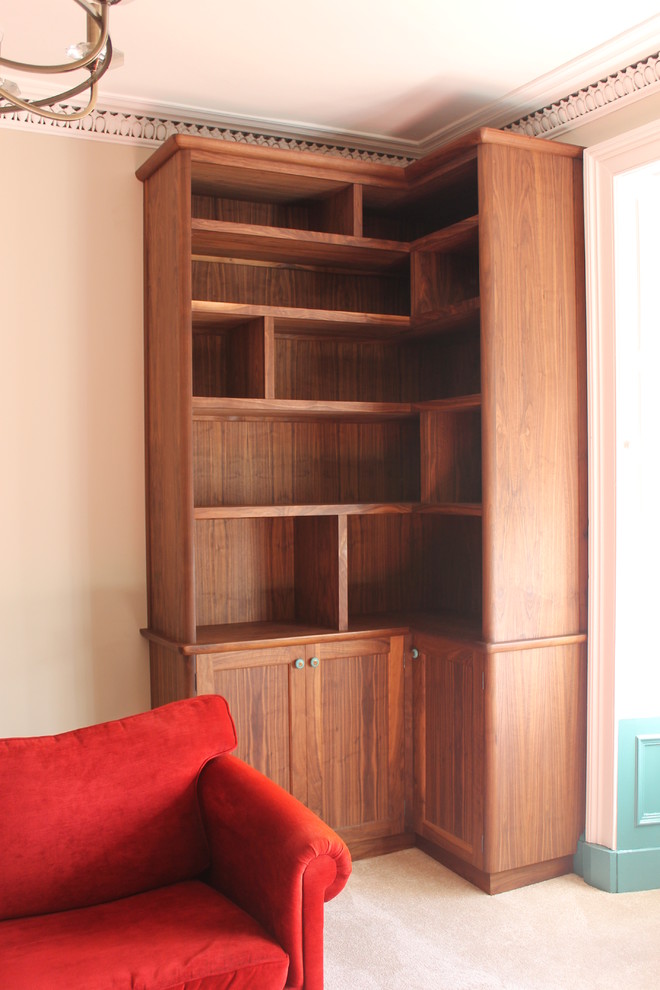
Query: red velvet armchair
[(140, 854)]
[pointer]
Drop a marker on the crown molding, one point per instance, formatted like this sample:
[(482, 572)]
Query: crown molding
[(596, 100), (150, 124), (519, 110)]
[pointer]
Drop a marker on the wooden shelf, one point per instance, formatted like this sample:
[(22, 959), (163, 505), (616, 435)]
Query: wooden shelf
[(292, 321), (298, 409), (447, 626), (248, 635), (268, 511), (455, 404), (223, 239), (340, 509), (451, 508), (456, 316), (458, 237)]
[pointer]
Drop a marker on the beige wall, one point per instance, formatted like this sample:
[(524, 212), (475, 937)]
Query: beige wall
[(72, 555)]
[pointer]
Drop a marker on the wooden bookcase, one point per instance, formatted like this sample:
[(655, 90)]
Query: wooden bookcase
[(366, 453)]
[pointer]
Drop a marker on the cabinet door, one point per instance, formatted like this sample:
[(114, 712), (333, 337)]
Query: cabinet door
[(448, 747), (265, 690), (355, 737)]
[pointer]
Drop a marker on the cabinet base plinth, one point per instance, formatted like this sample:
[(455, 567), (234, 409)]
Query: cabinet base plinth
[(497, 883), (366, 848)]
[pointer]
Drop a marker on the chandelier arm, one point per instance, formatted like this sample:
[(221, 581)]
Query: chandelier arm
[(102, 24), (47, 101), (19, 104)]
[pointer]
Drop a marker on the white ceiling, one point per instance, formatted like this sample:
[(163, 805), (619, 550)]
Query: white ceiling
[(400, 73)]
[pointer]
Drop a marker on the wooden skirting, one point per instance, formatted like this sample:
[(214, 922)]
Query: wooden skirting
[(497, 883), (366, 848)]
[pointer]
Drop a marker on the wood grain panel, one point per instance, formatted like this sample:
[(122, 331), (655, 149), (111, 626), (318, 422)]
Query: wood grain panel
[(341, 212), (172, 675), (581, 386), (320, 571), (341, 370), (449, 562), (298, 214), (271, 285), (247, 360), (258, 697), (451, 456), (338, 212), (531, 361), (447, 365), (440, 279), (355, 748), (447, 198), (168, 393), (382, 576), (296, 247), (210, 364), (230, 362), (457, 238), (244, 570), (299, 410), (235, 169), (302, 321), (288, 463), (448, 718), (535, 765)]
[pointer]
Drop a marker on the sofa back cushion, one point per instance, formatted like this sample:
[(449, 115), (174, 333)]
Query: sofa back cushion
[(106, 811)]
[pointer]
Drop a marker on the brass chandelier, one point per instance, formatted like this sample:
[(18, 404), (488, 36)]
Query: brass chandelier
[(93, 55)]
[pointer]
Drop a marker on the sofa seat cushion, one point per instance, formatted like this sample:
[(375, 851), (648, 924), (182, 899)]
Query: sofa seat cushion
[(183, 937)]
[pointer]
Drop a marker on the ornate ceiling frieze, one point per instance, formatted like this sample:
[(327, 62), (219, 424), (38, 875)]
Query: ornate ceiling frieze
[(151, 127), (603, 96)]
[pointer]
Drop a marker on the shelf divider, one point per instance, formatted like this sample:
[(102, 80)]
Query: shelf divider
[(320, 571)]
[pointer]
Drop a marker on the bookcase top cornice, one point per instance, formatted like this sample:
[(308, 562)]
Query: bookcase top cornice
[(212, 151)]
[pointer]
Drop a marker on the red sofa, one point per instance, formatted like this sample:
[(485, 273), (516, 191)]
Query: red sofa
[(140, 854)]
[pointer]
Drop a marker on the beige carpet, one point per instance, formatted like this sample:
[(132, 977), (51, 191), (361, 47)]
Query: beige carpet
[(404, 922)]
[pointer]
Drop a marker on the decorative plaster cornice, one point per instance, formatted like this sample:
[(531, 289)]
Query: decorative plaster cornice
[(601, 97), (150, 126)]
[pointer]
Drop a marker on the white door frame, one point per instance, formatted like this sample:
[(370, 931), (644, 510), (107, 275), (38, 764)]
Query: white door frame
[(602, 164)]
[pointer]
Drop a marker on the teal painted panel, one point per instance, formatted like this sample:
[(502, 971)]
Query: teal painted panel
[(638, 809), (647, 796)]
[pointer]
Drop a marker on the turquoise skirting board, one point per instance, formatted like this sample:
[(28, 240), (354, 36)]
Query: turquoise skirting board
[(635, 863)]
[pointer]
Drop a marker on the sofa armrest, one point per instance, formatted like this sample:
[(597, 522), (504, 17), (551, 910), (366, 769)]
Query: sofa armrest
[(274, 858)]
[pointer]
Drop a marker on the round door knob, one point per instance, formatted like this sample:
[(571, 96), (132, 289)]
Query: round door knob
[(414, 653), (300, 663), (314, 662)]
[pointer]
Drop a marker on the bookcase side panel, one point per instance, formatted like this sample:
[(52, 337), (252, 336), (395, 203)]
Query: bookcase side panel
[(168, 399), (531, 358)]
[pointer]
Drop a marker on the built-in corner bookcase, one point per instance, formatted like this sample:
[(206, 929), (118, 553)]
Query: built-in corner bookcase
[(365, 446)]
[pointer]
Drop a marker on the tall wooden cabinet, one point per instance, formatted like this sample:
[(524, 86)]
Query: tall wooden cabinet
[(366, 483)]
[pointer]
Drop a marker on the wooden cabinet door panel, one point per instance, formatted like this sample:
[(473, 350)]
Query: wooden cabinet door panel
[(355, 737), (536, 736), (448, 749), (266, 695)]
